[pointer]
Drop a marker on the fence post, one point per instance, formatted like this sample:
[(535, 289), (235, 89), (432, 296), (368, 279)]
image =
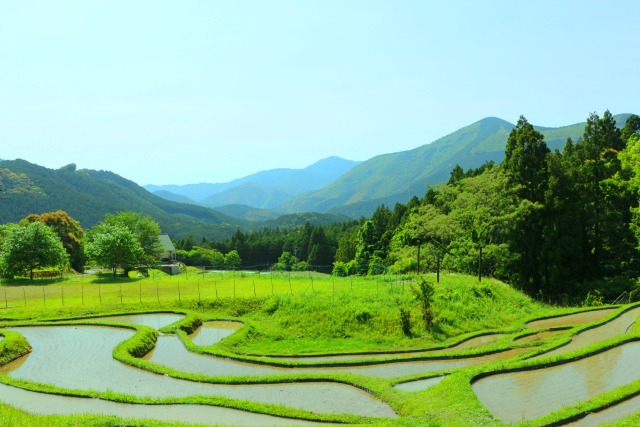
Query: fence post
[(157, 293), (44, 300), (100, 293)]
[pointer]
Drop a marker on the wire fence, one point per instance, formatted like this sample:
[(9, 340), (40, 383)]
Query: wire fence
[(208, 285)]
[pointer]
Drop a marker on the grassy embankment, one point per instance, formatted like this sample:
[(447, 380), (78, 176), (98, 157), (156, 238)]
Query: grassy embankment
[(298, 314)]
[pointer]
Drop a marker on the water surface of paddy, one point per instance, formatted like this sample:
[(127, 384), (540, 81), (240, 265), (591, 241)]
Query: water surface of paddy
[(574, 319), (419, 385), (79, 357), (613, 328), (153, 320), (171, 352), (212, 332), (524, 395), (51, 404)]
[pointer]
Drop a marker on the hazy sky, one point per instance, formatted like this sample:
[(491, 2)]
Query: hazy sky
[(191, 91)]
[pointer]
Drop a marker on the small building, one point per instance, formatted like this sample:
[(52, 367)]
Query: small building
[(168, 250), (168, 262)]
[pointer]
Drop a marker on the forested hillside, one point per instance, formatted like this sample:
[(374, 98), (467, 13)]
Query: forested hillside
[(553, 223), (87, 195), (396, 177)]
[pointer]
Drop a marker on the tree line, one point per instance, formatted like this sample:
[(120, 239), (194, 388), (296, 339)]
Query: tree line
[(125, 240), (550, 223)]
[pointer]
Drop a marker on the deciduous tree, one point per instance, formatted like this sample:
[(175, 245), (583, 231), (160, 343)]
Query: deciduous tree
[(113, 246), (32, 246)]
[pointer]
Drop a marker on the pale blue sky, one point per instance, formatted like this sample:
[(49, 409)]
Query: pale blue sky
[(191, 91)]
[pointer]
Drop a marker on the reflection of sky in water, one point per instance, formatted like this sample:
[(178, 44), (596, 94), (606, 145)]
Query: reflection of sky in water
[(153, 320), (51, 404), (80, 357), (571, 319), (212, 332), (614, 328), (530, 394)]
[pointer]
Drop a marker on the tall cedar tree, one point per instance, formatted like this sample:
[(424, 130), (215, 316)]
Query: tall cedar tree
[(526, 166), (604, 207)]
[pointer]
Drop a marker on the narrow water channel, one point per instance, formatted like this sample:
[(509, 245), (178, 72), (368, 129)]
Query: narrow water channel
[(574, 319), (524, 395), (474, 342)]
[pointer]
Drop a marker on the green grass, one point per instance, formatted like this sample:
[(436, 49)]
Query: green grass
[(293, 314)]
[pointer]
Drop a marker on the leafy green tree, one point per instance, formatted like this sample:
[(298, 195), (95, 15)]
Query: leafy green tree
[(114, 246), (144, 228), (232, 259), (347, 246), (32, 246), (69, 232)]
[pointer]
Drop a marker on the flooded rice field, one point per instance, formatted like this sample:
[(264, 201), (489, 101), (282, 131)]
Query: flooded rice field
[(171, 352), (419, 385), (615, 327), (581, 318), (79, 357), (523, 395), (613, 413), (153, 320), (51, 404), (212, 332)]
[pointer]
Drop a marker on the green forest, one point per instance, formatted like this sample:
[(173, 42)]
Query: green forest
[(557, 225)]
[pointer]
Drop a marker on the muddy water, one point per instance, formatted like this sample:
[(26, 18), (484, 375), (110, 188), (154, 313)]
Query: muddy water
[(171, 352), (475, 342), (79, 357), (571, 319), (153, 320), (524, 395), (614, 413), (212, 332), (613, 328), (50, 404), (419, 385), (540, 336)]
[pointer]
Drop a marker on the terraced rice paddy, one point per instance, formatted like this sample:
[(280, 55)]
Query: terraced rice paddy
[(79, 357)]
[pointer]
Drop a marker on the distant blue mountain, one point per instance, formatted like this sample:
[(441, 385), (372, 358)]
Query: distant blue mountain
[(265, 190)]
